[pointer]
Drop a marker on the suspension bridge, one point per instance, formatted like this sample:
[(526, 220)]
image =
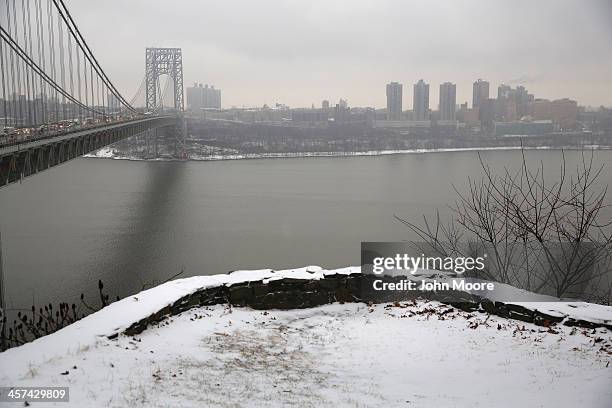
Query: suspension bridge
[(57, 102)]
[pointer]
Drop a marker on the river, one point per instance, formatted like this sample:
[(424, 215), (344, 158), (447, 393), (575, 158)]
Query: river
[(134, 223)]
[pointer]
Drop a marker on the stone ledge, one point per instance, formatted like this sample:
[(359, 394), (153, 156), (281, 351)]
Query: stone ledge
[(300, 293)]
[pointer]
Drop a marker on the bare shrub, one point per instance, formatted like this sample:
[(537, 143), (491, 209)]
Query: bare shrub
[(539, 234)]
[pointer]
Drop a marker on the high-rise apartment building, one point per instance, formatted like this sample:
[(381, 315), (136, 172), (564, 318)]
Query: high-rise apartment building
[(480, 93), (512, 104), (394, 101), (420, 104), (203, 97), (522, 99), (448, 101)]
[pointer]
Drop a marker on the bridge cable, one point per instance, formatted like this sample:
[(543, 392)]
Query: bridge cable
[(51, 25), (24, 66), (70, 68), (95, 62), (26, 79), (139, 92), (13, 104), (60, 33), (2, 70), (17, 91), (41, 58), (32, 102), (21, 54)]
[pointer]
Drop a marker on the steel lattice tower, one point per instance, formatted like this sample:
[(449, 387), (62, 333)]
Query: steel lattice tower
[(160, 61)]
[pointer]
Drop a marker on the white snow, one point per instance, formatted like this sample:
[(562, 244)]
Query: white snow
[(511, 295), (420, 354), (109, 153), (118, 316), (105, 153), (348, 355)]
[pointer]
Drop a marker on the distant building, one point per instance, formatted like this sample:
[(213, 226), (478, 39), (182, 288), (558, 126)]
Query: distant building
[(480, 92), (402, 124), (341, 113), (468, 116), (486, 112), (416, 124), (523, 128), (540, 109), (113, 102), (562, 112), (203, 97), (512, 104), (394, 101), (420, 104), (448, 101), (506, 110), (212, 97), (194, 98), (565, 113), (325, 105), (505, 106), (309, 115), (504, 91), (522, 100)]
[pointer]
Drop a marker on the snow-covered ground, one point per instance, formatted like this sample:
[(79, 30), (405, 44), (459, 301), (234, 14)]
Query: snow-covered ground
[(409, 354), (110, 153), (403, 355)]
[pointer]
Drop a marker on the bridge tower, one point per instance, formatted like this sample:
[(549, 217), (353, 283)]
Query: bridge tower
[(160, 61), (168, 61)]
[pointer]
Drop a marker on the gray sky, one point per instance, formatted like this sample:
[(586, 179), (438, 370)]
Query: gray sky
[(300, 52)]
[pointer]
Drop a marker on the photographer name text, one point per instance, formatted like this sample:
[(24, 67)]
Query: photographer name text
[(432, 285)]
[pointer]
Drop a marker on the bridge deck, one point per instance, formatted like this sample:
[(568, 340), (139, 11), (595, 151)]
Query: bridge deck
[(30, 157), (29, 144)]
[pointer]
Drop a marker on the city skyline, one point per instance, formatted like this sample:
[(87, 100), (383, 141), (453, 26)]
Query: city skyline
[(299, 53), (394, 97)]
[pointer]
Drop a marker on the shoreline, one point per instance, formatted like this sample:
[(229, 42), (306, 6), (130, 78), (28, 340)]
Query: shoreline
[(107, 153)]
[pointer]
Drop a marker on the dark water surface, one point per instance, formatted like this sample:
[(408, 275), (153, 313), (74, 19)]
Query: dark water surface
[(135, 223)]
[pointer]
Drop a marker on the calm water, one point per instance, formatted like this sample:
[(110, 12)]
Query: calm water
[(135, 223)]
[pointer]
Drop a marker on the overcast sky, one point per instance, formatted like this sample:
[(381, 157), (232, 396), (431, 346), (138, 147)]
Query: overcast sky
[(301, 52)]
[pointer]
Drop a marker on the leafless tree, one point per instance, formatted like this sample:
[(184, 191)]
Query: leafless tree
[(539, 234)]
